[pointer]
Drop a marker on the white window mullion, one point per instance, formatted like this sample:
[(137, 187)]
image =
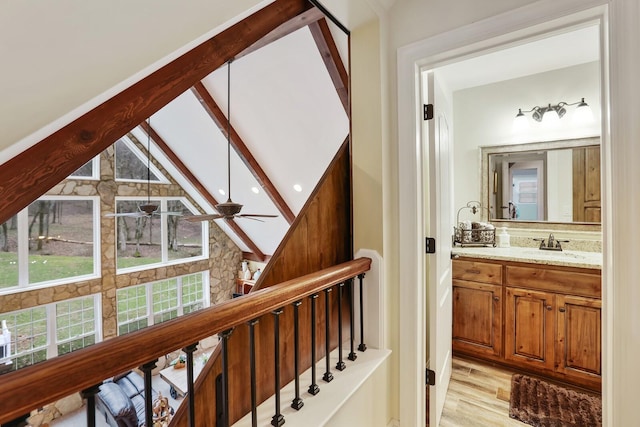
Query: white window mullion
[(52, 329), (179, 285), (23, 248), (149, 290), (164, 231), (97, 309)]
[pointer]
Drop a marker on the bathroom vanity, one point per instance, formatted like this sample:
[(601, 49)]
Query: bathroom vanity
[(537, 311)]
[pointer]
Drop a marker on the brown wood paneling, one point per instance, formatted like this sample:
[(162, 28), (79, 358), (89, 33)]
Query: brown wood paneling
[(30, 174), (586, 184), (320, 236)]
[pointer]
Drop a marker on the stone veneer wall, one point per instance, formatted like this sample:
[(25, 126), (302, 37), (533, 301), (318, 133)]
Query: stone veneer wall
[(224, 256)]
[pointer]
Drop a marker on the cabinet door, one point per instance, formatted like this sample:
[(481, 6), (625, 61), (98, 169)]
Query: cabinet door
[(477, 318), (529, 328), (579, 337)]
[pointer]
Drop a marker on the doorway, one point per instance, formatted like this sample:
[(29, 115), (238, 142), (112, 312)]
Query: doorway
[(434, 56)]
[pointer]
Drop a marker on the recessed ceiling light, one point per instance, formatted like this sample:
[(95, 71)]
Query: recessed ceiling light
[(221, 191), (255, 190), (297, 187)]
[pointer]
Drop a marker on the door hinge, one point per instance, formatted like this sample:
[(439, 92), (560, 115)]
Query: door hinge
[(428, 111), (431, 377), (430, 245)]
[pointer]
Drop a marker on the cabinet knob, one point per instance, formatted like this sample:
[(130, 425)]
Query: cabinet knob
[(496, 298), (562, 309), (549, 308)]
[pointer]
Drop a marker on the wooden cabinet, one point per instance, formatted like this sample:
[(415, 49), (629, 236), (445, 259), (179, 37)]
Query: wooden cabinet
[(579, 338), (477, 308), (477, 318), (529, 328), (542, 319)]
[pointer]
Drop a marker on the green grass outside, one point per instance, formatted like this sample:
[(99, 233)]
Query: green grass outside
[(50, 267)]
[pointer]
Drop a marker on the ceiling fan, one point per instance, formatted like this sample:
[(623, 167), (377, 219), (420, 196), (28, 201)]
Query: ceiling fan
[(229, 209), (147, 209)]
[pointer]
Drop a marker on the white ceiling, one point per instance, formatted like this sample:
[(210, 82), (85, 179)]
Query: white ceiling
[(285, 108), (548, 53)]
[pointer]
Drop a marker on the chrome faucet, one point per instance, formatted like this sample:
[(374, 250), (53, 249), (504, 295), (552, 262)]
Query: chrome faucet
[(551, 244)]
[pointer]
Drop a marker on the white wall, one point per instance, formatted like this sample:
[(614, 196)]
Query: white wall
[(484, 116)]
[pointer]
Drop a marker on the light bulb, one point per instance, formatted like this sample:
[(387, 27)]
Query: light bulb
[(520, 122), (550, 117), (583, 114)]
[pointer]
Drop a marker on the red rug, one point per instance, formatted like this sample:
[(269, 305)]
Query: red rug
[(539, 403)]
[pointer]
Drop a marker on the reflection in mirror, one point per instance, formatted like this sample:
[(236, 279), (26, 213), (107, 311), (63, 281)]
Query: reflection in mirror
[(555, 181)]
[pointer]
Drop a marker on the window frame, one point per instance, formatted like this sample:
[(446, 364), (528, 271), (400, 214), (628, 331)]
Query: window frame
[(23, 248), (51, 323), (150, 313), (164, 233), (162, 179)]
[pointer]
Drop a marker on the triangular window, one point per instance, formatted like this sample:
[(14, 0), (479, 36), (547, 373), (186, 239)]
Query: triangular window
[(131, 164)]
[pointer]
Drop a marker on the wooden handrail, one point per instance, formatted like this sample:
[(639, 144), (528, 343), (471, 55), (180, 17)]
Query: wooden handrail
[(37, 385)]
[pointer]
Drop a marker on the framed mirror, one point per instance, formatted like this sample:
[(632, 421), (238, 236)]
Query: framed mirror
[(544, 182)]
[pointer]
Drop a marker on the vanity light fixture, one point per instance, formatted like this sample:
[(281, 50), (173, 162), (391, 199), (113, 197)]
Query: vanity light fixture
[(555, 112)]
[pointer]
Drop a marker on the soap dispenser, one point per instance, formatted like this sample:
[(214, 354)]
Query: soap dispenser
[(504, 240)]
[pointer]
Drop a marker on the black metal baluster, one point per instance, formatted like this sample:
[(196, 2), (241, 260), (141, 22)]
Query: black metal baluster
[(313, 388), (225, 377), (352, 355), (148, 396), (340, 366), (297, 402), (362, 346), (191, 420), (328, 376), (90, 395), (252, 363), (278, 418)]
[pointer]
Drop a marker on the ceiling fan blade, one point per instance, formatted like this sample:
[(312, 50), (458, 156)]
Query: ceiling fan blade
[(169, 213), (259, 215), (196, 218), (126, 214), (251, 217)]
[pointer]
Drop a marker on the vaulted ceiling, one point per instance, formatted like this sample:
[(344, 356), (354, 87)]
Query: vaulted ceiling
[(289, 115)]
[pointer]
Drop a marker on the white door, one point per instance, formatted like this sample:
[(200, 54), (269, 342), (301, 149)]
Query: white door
[(439, 225)]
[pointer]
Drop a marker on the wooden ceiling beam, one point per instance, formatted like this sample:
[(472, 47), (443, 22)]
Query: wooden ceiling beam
[(34, 171), (302, 20), (332, 60), (216, 114), (175, 160)]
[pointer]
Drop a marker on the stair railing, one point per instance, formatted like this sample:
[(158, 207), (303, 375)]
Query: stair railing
[(84, 370)]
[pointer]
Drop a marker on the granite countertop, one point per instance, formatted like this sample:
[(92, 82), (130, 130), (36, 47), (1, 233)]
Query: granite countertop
[(564, 258)]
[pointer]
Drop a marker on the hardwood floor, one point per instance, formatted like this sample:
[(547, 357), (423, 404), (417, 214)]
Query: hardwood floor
[(478, 396)]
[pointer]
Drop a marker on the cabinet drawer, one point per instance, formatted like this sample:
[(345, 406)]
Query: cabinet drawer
[(560, 281), (484, 272)]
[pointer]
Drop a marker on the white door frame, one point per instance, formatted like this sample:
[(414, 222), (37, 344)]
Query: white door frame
[(497, 32)]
